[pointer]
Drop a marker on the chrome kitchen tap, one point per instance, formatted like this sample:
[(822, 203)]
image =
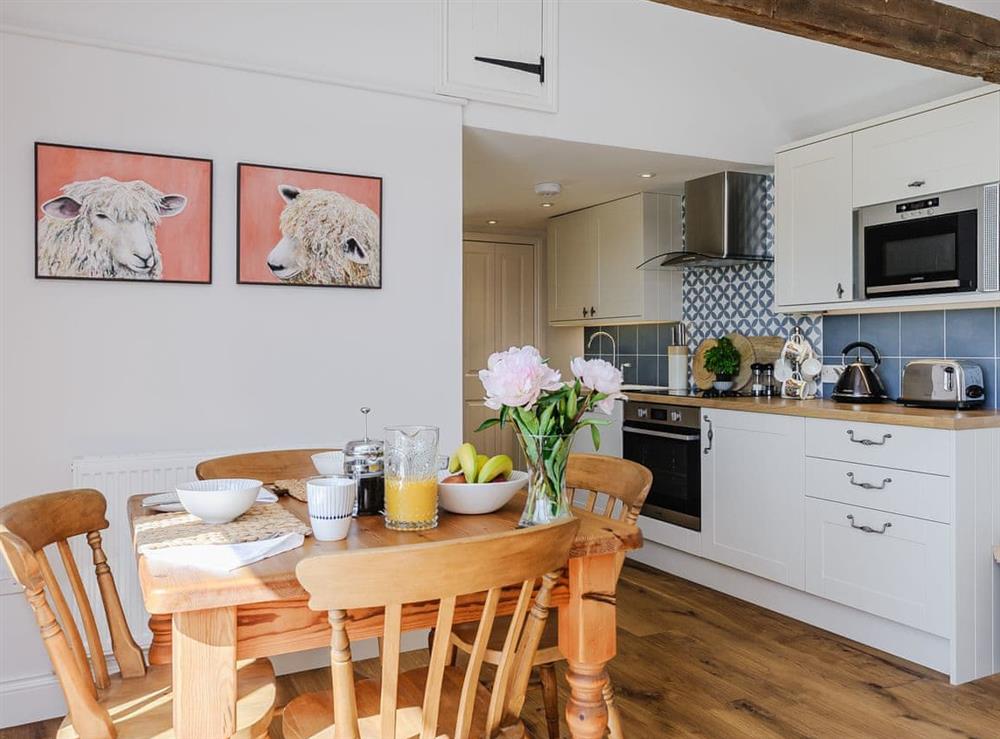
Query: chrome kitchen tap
[(614, 348)]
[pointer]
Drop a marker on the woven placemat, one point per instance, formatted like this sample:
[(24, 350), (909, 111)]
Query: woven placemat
[(295, 488), (262, 521)]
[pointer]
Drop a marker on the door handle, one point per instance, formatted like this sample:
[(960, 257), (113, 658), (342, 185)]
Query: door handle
[(584, 311), (867, 529), (917, 183), (710, 434), (528, 67), (840, 290), (869, 485), (592, 311)]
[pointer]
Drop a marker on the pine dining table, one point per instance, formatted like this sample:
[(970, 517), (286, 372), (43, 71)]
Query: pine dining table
[(204, 621)]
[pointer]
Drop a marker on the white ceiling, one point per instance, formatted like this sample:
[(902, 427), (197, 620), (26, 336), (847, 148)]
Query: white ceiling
[(983, 7), (500, 171)]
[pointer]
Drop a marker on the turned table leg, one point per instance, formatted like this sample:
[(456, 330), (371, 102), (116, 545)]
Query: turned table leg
[(159, 648), (587, 639), (204, 673)]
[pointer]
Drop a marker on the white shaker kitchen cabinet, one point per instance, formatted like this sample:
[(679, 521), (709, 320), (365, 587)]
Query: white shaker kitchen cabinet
[(592, 258), (572, 266), (942, 149), (499, 51), (752, 502), (814, 242)]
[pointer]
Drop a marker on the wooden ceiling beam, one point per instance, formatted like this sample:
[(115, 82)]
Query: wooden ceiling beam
[(923, 32)]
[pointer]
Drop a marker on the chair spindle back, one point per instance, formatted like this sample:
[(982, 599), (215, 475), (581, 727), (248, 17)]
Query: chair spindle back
[(441, 572), (622, 483), (26, 528)]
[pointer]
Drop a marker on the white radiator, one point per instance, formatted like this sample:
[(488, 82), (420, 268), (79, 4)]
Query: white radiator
[(119, 478)]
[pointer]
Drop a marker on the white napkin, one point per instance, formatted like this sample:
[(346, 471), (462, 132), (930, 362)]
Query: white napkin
[(225, 557)]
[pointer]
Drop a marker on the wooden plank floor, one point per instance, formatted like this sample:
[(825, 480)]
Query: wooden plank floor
[(695, 663)]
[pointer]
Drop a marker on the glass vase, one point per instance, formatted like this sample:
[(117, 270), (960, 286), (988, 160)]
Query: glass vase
[(547, 499)]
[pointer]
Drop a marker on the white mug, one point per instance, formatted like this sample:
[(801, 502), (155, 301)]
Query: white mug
[(811, 368), (331, 505)]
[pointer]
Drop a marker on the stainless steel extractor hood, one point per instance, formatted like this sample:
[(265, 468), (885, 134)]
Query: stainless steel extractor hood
[(725, 216)]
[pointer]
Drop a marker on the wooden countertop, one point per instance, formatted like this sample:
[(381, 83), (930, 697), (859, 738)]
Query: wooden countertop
[(891, 413)]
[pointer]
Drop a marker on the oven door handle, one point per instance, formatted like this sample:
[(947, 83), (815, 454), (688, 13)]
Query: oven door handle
[(661, 434)]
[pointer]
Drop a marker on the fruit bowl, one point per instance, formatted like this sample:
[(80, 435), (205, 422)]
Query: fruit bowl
[(475, 498)]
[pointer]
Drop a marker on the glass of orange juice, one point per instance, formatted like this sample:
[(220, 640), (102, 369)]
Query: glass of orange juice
[(411, 465)]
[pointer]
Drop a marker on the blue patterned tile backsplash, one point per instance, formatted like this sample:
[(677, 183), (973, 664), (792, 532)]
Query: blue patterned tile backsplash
[(970, 334)]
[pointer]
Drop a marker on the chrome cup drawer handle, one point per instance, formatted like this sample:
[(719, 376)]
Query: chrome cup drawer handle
[(868, 442), (867, 529), (869, 485)]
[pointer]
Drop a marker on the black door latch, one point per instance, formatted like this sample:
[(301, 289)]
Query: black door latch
[(538, 69)]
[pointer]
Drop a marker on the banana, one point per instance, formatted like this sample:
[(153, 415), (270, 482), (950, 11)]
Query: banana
[(481, 459), (453, 464), (496, 466), (467, 460)]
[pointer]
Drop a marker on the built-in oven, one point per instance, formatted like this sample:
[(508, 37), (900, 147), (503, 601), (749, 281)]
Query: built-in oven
[(943, 243), (667, 440)]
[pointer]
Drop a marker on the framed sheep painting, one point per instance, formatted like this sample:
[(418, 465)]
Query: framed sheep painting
[(304, 227), (104, 214)]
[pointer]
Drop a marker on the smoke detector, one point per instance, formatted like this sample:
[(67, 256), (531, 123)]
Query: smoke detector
[(548, 189)]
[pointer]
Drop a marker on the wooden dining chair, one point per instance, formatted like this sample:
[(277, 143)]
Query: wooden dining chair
[(282, 464), (137, 701), (439, 699), (611, 487)]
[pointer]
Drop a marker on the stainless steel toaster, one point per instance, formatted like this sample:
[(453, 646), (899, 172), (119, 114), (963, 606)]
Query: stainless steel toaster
[(943, 383)]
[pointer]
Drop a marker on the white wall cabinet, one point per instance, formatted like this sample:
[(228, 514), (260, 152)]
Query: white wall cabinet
[(753, 469), (819, 182), (522, 32), (942, 149), (592, 258), (814, 250)]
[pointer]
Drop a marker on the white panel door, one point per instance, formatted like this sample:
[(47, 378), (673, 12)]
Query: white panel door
[(814, 242), (893, 566), (943, 149), (513, 30), (572, 266), (752, 494), (619, 252)]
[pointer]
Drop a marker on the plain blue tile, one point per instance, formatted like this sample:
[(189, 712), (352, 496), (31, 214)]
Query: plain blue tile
[(970, 333), (838, 332), (628, 340), (921, 334), (662, 373), (647, 370), (648, 342), (889, 371), (828, 389), (882, 330)]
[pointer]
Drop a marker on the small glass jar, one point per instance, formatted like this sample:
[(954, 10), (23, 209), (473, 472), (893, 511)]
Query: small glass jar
[(757, 380), (411, 467)]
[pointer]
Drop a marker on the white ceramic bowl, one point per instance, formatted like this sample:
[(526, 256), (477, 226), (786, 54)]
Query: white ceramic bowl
[(218, 501), (473, 498), (329, 463)]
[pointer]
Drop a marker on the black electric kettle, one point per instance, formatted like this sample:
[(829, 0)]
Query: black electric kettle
[(859, 382)]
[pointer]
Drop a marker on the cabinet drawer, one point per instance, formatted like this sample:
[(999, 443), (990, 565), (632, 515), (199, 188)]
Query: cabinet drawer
[(946, 148), (901, 574), (900, 447), (914, 494)]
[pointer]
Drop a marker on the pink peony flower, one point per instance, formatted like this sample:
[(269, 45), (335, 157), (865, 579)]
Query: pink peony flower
[(517, 377), (602, 376)]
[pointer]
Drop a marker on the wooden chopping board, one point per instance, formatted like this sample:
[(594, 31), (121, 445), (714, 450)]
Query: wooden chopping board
[(701, 377)]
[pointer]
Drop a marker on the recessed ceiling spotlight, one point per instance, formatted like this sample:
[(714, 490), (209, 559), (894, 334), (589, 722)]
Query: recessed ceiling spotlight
[(491, 222), (647, 175), (546, 205)]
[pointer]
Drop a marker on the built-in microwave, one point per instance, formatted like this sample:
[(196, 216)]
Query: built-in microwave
[(941, 243)]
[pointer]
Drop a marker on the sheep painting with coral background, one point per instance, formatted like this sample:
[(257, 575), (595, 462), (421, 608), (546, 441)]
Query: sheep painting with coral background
[(302, 227), (114, 215)]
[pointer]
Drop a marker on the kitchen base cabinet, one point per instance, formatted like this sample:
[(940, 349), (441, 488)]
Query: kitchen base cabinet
[(892, 566), (752, 481)]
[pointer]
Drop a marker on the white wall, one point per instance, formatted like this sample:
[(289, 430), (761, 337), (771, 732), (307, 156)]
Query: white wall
[(632, 73), (105, 368)]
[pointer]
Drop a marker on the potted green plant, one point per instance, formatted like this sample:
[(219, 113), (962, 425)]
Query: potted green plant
[(724, 360)]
